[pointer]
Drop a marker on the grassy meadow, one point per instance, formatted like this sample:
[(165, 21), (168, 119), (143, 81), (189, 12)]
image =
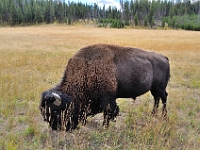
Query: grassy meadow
[(32, 59)]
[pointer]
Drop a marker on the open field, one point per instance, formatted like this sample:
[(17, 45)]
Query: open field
[(32, 59)]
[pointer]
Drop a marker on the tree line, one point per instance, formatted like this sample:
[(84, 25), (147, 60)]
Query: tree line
[(133, 12)]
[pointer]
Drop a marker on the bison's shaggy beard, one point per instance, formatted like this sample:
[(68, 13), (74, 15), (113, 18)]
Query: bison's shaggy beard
[(54, 115), (55, 111), (59, 118), (90, 109)]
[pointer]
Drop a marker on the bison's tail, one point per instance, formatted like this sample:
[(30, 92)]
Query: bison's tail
[(166, 58), (168, 71)]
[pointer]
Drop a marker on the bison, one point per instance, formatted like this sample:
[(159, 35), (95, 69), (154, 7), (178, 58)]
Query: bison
[(98, 74)]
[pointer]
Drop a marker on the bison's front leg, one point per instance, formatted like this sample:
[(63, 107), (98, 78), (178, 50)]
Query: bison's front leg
[(71, 117), (106, 116), (110, 112)]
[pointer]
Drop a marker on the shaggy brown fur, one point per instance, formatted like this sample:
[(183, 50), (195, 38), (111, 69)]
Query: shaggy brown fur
[(98, 74)]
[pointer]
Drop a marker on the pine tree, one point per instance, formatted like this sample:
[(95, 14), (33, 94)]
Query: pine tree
[(136, 19), (146, 21), (33, 10), (38, 14), (5, 13), (163, 22), (151, 15), (126, 12), (60, 13), (1, 10), (132, 10), (13, 12), (152, 22), (27, 14), (49, 15), (19, 15), (69, 20), (122, 9)]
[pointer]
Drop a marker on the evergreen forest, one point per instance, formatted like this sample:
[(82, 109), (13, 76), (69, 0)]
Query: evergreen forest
[(180, 14)]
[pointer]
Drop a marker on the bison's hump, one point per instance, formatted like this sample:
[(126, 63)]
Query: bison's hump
[(103, 51)]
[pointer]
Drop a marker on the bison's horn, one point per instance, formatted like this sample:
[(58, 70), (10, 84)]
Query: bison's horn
[(57, 102), (56, 96)]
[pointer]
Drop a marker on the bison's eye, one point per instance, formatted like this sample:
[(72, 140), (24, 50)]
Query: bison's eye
[(57, 102)]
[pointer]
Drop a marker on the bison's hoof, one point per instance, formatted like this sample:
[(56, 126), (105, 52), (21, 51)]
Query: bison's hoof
[(105, 125), (154, 113)]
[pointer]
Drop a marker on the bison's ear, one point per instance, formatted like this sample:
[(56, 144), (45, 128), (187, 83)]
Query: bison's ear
[(43, 103), (57, 101), (43, 99)]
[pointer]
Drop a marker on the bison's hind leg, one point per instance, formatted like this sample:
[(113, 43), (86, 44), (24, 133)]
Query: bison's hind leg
[(157, 94), (156, 102), (164, 101)]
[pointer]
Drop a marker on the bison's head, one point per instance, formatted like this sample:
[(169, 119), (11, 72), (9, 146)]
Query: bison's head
[(53, 108)]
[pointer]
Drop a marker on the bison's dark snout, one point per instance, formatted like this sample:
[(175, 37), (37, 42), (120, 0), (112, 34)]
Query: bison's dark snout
[(55, 121)]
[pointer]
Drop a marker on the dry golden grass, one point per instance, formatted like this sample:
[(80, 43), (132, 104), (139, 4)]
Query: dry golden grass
[(32, 59)]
